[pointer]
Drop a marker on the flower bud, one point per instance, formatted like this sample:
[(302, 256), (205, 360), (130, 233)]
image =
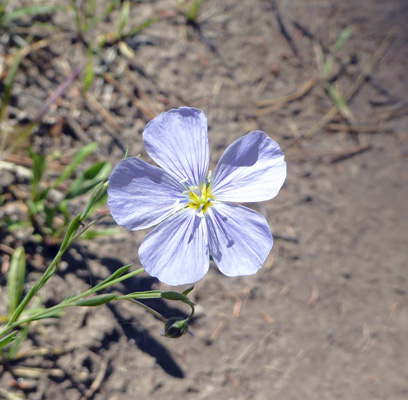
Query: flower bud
[(175, 327)]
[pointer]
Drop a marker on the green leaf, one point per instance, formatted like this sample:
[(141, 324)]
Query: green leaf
[(51, 314), (340, 42), (80, 156), (40, 9), (69, 297), (17, 342), (98, 193), (188, 290), (16, 276), (343, 38), (90, 8), (339, 101), (124, 17), (89, 74), (149, 294), (119, 272), (139, 28), (63, 208), (14, 226), (71, 231), (97, 173), (8, 83), (7, 339), (193, 9), (40, 164), (49, 216), (98, 18), (34, 207), (92, 234), (177, 296), (173, 296), (328, 66), (97, 300)]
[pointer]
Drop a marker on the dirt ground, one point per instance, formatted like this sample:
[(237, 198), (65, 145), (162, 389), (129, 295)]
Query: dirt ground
[(327, 315)]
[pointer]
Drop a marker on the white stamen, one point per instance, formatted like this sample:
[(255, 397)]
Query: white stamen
[(209, 176), (200, 214)]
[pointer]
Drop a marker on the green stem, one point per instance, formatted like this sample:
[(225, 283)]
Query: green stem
[(117, 280), (150, 310), (89, 225), (71, 301), (192, 312)]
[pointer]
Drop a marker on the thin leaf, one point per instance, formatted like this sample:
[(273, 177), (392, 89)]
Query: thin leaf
[(16, 277), (343, 38), (40, 9), (51, 314), (7, 339), (193, 10), (97, 193), (340, 42), (151, 294), (188, 290), (124, 17), (16, 343), (80, 156), (92, 234), (108, 10), (328, 66), (139, 28), (177, 296), (89, 73), (90, 8), (119, 272), (40, 164), (14, 226), (97, 173), (97, 300), (71, 231), (173, 296), (49, 216), (8, 83), (339, 102)]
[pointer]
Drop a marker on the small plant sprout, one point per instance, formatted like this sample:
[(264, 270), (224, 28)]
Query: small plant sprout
[(195, 210)]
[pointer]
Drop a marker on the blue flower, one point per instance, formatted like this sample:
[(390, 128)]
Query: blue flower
[(194, 209)]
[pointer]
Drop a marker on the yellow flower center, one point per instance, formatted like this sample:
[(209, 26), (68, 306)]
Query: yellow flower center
[(200, 198)]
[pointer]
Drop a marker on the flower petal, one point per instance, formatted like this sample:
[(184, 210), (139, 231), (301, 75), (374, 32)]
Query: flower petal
[(177, 141), (176, 252), (251, 169), (239, 238), (141, 195)]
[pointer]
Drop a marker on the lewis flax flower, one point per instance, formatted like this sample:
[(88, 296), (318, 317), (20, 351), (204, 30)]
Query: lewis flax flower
[(195, 210)]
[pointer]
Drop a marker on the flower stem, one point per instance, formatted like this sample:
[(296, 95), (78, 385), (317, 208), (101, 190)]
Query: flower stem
[(150, 310), (70, 302)]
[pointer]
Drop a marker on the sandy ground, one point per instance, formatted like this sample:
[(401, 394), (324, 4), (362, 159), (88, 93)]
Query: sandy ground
[(326, 317)]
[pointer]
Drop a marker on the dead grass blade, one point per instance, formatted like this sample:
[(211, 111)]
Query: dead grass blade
[(279, 102)]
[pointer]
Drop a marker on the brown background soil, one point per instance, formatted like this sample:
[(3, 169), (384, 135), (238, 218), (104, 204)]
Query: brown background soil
[(327, 316)]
